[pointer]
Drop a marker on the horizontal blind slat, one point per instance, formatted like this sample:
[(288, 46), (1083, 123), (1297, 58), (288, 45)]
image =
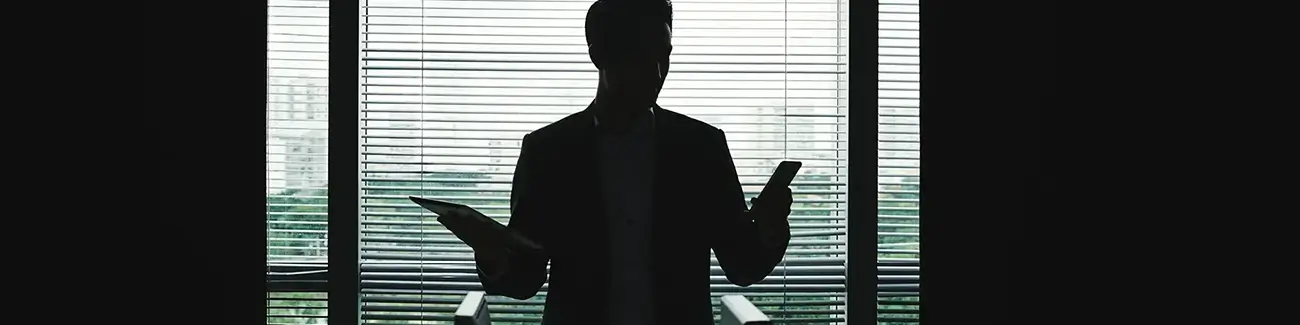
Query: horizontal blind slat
[(296, 142), (898, 195)]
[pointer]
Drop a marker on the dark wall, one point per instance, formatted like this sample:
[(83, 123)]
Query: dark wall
[(205, 262), (987, 72)]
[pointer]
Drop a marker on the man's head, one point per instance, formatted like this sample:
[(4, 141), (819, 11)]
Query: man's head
[(630, 41)]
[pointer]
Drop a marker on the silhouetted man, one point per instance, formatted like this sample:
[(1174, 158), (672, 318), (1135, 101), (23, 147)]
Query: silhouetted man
[(627, 198)]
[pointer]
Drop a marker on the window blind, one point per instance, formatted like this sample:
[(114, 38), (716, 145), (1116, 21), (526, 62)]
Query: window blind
[(296, 153), (898, 173), (449, 88)]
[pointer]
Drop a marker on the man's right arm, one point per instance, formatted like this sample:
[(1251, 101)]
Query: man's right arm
[(521, 275)]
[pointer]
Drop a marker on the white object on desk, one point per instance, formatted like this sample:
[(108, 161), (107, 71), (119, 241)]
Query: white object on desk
[(473, 310), (736, 310)]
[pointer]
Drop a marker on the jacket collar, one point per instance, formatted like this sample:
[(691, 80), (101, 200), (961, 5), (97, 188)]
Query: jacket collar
[(595, 120)]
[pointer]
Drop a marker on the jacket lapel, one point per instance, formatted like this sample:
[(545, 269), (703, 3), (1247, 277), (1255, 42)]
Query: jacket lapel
[(588, 210), (586, 161), (660, 227)]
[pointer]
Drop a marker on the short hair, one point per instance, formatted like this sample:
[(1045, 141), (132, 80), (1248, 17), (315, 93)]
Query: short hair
[(607, 20)]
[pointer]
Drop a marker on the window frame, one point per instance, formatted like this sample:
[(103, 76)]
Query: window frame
[(343, 283)]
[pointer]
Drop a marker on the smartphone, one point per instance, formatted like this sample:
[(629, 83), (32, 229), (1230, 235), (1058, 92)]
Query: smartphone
[(782, 177)]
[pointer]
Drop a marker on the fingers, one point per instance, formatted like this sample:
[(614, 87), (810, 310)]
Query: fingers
[(782, 194), (491, 261), (783, 201)]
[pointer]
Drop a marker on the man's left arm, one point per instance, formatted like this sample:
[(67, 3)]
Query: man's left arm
[(747, 243)]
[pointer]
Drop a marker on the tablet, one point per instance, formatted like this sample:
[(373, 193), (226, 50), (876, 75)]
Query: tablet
[(474, 228)]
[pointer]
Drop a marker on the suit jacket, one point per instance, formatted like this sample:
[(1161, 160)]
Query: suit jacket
[(698, 205)]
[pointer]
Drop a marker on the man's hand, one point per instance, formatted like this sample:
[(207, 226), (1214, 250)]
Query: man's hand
[(773, 208), (465, 223), (771, 214), (490, 255), (492, 261)]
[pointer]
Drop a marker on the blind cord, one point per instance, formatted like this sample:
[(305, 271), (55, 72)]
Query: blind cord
[(785, 134), (423, 213)]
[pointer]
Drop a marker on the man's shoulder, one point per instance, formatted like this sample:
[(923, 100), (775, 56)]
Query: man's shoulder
[(563, 128), (572, 127), (685, 125)]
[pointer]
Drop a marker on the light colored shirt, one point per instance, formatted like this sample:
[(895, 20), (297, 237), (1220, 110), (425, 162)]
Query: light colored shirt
[(627, 167)]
